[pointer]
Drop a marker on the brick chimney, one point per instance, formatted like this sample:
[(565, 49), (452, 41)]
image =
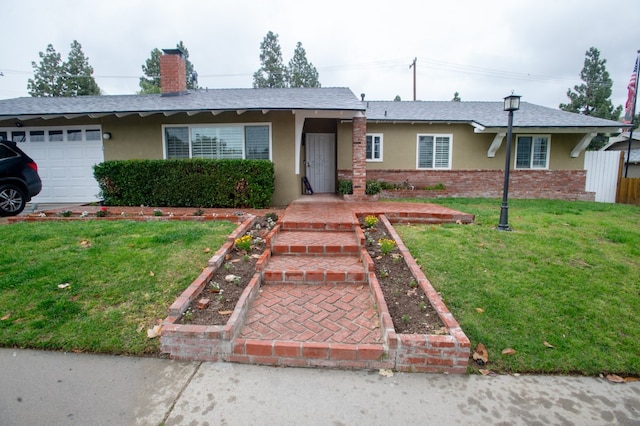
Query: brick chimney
[(173, 72)]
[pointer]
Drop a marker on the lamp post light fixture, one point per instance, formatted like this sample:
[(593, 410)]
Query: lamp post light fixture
[(511, 103)]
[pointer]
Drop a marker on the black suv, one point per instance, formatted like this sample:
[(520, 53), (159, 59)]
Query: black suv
[(19, 180)]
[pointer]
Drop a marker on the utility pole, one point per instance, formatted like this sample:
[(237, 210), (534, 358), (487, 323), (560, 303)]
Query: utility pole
[(414, 77)]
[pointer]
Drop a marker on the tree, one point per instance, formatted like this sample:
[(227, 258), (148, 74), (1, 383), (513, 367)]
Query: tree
[(53, 77), (593, 96), (78, 73), (397, 98), (456, 97), (301, 73), (46, 79), (272, 72), (150, 82)]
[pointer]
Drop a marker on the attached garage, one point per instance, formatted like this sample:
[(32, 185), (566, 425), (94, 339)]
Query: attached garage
[(65, 158)]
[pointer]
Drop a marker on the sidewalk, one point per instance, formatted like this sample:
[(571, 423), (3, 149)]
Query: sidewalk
[(57, 388)]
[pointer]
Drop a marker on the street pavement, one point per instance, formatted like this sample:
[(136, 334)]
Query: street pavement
[(55, 388)]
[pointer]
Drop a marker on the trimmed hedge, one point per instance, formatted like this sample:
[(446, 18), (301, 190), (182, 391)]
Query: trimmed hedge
[(186, 183)]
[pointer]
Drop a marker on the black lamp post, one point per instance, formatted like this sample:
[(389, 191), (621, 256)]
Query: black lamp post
[(511, 103)]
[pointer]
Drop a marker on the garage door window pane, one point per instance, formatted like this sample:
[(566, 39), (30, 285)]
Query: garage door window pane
[(74, 135), (93, 134), (18, 136), (56, 136), (36, 136)]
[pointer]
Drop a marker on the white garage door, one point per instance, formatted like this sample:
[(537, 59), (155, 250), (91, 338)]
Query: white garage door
[(65, 158)]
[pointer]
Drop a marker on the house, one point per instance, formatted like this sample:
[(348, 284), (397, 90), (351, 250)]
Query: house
[(324, 134), (621, 143)]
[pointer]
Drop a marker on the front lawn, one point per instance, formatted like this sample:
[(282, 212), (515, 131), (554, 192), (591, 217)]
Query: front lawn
[(97, 285), (562, 289)]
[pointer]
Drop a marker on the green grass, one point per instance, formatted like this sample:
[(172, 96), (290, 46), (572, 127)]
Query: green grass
[(569, 274), (119, 284)]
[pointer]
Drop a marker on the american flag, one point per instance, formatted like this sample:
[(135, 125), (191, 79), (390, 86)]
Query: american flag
[(631, 97)]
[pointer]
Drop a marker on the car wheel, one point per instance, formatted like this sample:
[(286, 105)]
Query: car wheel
[(12, 200)]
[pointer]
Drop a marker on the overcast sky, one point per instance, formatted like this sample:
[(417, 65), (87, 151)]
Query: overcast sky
[(483, 49)]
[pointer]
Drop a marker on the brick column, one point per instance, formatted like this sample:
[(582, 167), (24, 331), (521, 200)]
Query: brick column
[(359, 160)]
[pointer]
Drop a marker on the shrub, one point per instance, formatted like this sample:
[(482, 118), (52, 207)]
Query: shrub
[(345, 187), (373, 187), (186, 183)]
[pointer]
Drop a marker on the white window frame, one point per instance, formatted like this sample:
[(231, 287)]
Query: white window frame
[(373, 159), (531, 166), (47, 129), (204, 125), (434, 135)]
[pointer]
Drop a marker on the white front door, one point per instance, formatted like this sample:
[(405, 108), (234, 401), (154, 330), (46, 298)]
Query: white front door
[(321, 161)]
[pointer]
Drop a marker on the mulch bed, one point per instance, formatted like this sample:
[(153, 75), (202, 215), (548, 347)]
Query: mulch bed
[(222, 294), (408, 306)]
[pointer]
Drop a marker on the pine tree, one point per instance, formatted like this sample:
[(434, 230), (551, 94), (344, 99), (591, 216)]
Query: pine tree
[(150, 82), (301, 73), (78, 74), (53, 77), (593, 96), (46, 79), (272, 72), (456, 97)]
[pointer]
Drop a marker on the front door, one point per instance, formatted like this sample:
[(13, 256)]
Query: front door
[(321, 161)]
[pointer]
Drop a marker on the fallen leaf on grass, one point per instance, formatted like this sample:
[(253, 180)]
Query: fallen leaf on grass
[(140, 328), (386, 373), (207, 250), (153, 332), (65, 285), (547, 344), (487, 372), (481, 355), (85, 244), (152, 274), (508, 351), (614, 378), (480, 310), (6, 317), (225, 312)]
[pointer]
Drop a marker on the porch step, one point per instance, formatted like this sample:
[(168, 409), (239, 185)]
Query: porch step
[(319, 224), (315, 269), (309, 242)]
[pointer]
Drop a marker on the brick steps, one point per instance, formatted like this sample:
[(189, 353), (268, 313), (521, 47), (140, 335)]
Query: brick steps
[(310, 242), (313, 269)]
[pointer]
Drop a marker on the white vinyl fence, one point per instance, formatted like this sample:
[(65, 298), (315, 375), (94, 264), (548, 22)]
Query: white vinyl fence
[(602, 174)]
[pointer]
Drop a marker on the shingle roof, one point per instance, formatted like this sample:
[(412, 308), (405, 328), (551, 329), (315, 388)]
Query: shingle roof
[(486, 114), (332, 98)]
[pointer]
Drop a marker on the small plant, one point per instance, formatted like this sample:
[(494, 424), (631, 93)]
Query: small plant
[(370, 220), (273, 217), (370, 241), (422, 306), (157, 212), (236, 280), (66, 213), (103, 212), (436, 187), (220, 298), (406, 318), (386, 245), (214, 287), (413, 283), (384, 273), (243, 243), (228, 266), (198, 212), (372, 187), (245, 258), (187, 317)]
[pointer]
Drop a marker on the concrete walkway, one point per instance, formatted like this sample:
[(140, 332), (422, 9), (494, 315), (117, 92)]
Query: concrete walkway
[(56, 388)]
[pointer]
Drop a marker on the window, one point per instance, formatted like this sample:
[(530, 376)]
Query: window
[(532, 152), (74, 135), (374, 147), (93, 134), (36, 136), (5, 152), (56, 136), (218, 141), (19, 136), (434, 152)]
